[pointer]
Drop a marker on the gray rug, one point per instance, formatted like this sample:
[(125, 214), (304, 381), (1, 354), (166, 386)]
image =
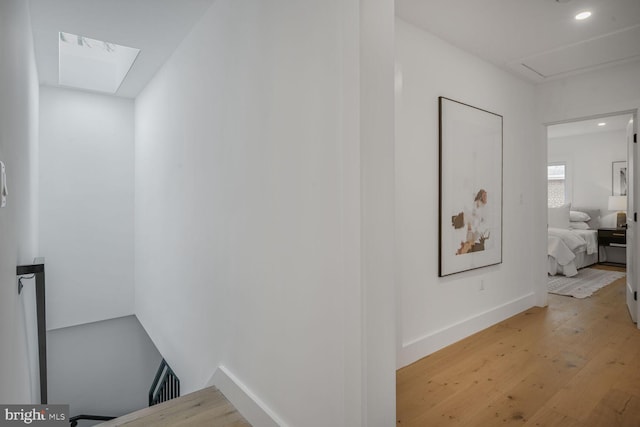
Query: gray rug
[(584, 284)]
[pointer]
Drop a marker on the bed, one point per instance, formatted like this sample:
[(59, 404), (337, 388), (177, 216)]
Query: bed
[(572, 239)]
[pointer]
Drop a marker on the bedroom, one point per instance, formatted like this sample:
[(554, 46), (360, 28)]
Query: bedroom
[(587, 163)]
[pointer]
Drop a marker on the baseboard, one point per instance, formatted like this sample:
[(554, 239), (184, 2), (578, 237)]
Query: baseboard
[(423, 346), (245, 401)]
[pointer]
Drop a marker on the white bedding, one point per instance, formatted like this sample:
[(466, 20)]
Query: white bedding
[(591, 237), (571, 239), (569, 250)]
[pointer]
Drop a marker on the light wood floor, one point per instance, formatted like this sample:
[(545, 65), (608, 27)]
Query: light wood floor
[(573, 363), (207, 407)]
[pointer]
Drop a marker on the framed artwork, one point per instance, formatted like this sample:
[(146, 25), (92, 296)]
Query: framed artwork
[(619, 179), (470, 197)]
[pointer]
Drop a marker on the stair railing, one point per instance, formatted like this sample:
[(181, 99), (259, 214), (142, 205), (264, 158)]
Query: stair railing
[(37, 269), (165, 386)]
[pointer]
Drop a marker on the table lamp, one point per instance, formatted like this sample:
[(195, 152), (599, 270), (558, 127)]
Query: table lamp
[(619, 203)]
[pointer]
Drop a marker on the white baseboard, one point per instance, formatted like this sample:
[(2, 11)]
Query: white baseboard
[(423, 346), (246, 402)]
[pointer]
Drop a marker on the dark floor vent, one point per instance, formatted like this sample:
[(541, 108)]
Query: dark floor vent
[(166, 385)]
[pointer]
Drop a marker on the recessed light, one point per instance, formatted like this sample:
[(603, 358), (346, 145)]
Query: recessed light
[(583, 15), (92, 64), (602, 124)]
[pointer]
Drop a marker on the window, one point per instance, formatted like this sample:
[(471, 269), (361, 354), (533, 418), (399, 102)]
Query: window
[(557, 184)]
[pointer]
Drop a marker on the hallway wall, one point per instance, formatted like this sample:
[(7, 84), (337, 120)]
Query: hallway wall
[(598, 92), (249, 184), (86, 205), (437, 311), (18, 220)]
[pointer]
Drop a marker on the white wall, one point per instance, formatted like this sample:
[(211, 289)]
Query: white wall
[(376, 111), (433, 311), (248, 208), (18, 220), (589, 159), (598, 92), (86, 205), (101, 368)]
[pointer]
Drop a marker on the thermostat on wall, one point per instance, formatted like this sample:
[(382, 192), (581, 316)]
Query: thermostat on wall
[(3, 186)]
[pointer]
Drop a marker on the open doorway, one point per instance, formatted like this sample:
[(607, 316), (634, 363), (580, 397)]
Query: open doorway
[(590, 186)]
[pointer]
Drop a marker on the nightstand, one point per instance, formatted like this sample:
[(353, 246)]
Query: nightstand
[(612, 237)]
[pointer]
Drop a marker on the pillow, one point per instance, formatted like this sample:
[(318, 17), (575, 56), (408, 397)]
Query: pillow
[(576, 216), (594, 214), (559, 217), (578, 225)]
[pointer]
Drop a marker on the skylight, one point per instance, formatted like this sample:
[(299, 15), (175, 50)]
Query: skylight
[(91, 64)]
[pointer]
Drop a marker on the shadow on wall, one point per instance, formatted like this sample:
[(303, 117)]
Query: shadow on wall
[(102, 368)]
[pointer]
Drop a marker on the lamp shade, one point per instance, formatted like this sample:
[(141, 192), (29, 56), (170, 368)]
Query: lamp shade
[(617, 203)]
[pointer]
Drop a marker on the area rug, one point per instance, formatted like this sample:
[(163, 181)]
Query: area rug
[(584, 284)]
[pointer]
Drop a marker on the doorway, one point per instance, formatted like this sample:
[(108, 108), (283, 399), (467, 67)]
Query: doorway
[(590, 177)]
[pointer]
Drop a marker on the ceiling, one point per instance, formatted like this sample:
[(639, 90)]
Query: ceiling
[(582, 127), (535, 39), (156, 27)]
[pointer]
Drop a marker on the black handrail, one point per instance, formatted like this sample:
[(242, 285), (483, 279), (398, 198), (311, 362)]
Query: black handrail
[(37, 269), (165, 386), (74, 420)]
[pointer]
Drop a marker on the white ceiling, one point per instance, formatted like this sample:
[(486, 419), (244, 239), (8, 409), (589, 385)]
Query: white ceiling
[(537, 39), (613, 124), (156, 27)]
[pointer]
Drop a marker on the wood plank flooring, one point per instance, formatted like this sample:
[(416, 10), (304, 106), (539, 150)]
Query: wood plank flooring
[(207, 407), (573, 363)]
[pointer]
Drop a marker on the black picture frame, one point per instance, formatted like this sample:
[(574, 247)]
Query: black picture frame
[(619, 178), (470, 187)]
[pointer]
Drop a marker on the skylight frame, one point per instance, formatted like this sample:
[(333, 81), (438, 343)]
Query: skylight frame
[(92, 64)]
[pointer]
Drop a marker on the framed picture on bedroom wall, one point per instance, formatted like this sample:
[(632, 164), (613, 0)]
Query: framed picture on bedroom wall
[(470, 197), (619, 179)]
